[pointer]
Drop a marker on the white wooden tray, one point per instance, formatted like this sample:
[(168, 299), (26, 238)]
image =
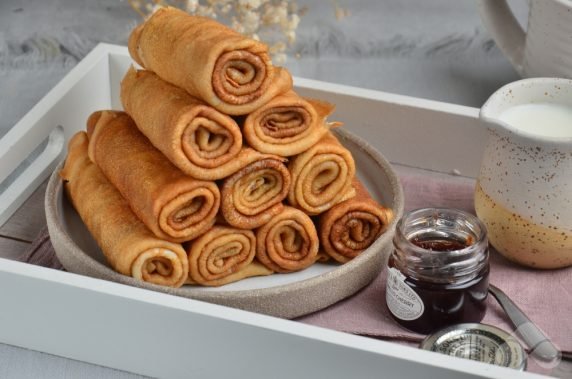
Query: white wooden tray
[(161, 335)]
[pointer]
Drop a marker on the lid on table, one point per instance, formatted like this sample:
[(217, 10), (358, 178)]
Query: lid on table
[(478, 342)]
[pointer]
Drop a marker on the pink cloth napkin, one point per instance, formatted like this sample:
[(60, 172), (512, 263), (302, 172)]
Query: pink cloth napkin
[(545, 296), (42, 253)]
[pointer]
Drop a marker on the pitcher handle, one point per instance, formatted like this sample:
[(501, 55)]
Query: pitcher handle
[(505, 29)]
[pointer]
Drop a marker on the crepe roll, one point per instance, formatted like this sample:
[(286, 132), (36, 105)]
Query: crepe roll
[(223, 255), (253, 195), (193, 135), (209, 60), (353, 225), (174, 206), (288, 242), (287, 125), (321, 176), (130, 248)]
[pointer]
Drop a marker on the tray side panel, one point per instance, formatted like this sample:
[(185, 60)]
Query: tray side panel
[(61, 113), (414, 132), (137, 331)]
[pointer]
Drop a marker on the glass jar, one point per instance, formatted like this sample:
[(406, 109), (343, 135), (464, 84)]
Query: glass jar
[(438, 273)]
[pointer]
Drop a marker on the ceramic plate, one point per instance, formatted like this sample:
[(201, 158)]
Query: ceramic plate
[(283, 295)]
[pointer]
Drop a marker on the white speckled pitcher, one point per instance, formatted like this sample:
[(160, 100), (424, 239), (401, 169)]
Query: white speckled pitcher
[(546, 48), (524, 189)]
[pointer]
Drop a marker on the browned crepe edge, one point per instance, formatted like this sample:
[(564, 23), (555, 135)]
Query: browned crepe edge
[(164, 113), (122, 237), (235, 217), (315, 126), (215, 239), (146, 179), (361, 202), (255, 268), (262, 242), (327, 145), (171, 39)]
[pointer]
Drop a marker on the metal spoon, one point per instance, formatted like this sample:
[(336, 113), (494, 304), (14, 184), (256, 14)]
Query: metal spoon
[(541, 347)]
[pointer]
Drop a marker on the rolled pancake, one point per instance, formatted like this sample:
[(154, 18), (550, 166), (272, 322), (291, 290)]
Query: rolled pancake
[(288, 242), (210, 61), (195, 137), (173, 205), (253, 195), (287, 125), (223, 255), (129, 247), (321, 176), (353, 225)]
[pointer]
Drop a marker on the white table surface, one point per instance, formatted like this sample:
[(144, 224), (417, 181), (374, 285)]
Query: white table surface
[(434, 49)]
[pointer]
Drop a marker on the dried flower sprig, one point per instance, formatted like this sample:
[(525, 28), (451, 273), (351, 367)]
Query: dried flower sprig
[(271, 21)]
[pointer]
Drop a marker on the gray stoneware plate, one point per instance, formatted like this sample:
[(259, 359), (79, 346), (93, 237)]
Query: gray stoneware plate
[(282, 295)]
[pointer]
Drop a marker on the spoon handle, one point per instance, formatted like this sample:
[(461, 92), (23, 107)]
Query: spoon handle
[(541, 347)]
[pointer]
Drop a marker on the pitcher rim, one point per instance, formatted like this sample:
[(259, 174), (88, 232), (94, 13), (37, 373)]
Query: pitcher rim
[(484, 113)]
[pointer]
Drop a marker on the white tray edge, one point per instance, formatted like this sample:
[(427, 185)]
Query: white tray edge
[(101, 322)]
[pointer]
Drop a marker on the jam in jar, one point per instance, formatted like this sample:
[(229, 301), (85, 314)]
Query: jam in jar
[(438, 273)]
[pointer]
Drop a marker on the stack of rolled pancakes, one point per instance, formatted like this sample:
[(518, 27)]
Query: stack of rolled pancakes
[(216, 170)]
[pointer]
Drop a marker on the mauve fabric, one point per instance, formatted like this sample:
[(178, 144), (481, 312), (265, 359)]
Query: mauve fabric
[(42, 253), (545, 296)]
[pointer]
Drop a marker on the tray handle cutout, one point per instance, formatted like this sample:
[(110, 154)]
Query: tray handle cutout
[(21, 178)]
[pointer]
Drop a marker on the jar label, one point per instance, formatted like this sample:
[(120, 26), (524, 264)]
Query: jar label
[(402, 300)]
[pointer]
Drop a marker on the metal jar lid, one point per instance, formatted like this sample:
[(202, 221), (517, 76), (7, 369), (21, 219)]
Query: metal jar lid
[(479, 342)]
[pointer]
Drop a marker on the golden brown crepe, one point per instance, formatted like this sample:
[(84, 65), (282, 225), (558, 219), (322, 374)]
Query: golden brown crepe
[(173, 205), (195, 137), (210, 61), (253, 195), (223, 255), (353, 225), (287, 125), (321, 176), (288, 242), (129, 247)]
